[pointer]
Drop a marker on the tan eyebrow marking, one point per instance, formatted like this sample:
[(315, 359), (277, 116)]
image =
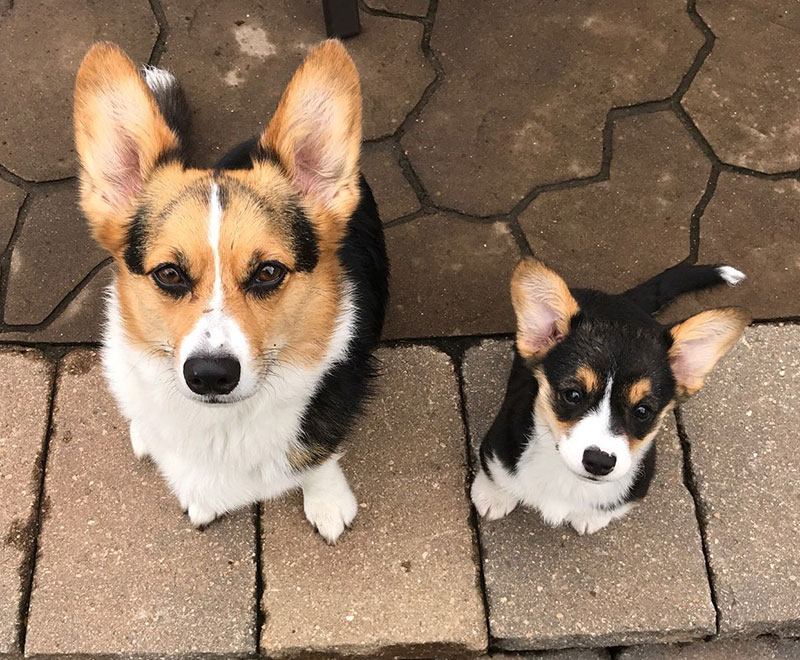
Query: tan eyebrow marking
[(639, 390), (587, 377)]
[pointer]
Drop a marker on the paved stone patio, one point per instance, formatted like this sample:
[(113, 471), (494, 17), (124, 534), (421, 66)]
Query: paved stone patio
[(611, 138)]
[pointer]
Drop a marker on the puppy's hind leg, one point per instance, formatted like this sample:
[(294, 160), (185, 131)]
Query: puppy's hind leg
[(328, 502)]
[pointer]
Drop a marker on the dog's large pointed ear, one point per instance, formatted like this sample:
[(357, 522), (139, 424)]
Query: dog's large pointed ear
[(699, 342), (316, 130), (120, 136), (543, 305)]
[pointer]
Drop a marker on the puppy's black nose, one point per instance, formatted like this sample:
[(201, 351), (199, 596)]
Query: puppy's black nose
[(211, 375), (598, 462)]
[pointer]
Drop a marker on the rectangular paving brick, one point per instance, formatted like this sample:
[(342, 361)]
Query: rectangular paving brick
[(120, 569), (765, 648), (642, 579), (404, 581), (25, 385), (744, 429)]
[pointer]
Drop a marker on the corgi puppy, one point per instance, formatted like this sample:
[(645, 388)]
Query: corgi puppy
[(248, 297), (593, 377)]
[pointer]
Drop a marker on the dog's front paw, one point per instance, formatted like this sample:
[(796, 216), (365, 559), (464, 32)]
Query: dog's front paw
[(589, 523), (200, 516), (491, 501), (137, 441), (331, 515)]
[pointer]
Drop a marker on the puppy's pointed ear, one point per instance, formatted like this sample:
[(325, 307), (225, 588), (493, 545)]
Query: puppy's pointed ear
[(120, 136), (699, 342), (316, 130), (544, 308)]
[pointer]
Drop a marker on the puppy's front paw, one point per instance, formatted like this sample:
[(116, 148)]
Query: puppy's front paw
[(137, 441), (331, 515), (589, 523), (200, 516), (491, 501)]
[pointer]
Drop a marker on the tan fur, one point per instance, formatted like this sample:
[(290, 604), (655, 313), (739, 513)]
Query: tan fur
[(321, 107), (117, 123), (639, 390), (544, 407), (700, 341), (537, 291), (587, 378), (296, 322)]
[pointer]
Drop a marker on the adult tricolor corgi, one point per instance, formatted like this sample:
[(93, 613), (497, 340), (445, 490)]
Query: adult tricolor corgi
[(248, 297), (593, 377)]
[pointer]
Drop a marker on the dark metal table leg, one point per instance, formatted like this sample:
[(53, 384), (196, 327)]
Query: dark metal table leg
[(341, 18)]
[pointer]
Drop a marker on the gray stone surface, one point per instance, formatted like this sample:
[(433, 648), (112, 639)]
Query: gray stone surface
[(746, 97), (753, 225), (523, 102), (80, 321), (565, 654), (25, 383), (764, 648), (404, 581), (410, 7), (743, 433), (52, 254), (11, 199), (235, 58), (615, 234), (394, 194), (642, 579), (449, 277), (42, 43), (120, 569)]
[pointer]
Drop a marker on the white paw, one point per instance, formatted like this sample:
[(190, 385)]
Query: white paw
[(489, 499), (137, 441), (331, 515), (200, 516), (589, 523)]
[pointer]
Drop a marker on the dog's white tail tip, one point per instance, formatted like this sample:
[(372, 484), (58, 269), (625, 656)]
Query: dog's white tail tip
[(731, 275)]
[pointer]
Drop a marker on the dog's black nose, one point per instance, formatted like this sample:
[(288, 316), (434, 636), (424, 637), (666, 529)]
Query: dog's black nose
[(598, 462), (211, 375)]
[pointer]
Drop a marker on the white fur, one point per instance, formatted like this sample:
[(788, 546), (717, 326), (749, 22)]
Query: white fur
[(544, 481), (158, 79), (221, 457), (731, 275)]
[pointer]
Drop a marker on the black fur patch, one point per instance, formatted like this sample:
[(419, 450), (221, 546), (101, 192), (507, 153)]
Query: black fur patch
[(304, 240), (135, 242)]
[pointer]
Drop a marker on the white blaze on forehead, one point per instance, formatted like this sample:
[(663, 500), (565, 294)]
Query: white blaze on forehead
[(214, 224)]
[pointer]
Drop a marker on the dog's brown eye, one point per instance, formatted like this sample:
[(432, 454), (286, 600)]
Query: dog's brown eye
[(267, 277), (171, 279), (642, 413), (572, 396)]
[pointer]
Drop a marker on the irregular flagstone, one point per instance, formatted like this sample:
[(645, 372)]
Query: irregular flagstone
[(743, 430), (746, 97), (42, 43), (234, 59), (450, 277), (394, 194), (614, 234), (11, 199), (120, 570), (52, 254), (760, 649), (404, 581), (525, 103), (81, 321), (753, 225), (641, 579), (25, 384)]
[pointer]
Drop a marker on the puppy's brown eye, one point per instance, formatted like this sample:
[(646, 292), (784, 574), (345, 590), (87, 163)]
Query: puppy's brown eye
[(267, 277), (572, 396), (642, 413), (171, 279)]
